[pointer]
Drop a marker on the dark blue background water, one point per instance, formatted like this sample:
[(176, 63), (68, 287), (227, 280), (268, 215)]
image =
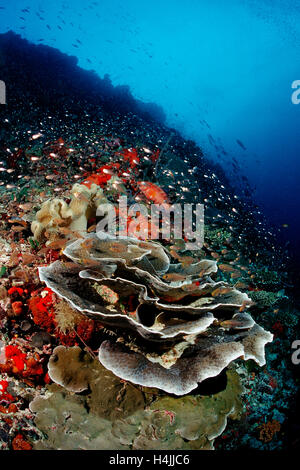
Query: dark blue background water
[(221, 70)]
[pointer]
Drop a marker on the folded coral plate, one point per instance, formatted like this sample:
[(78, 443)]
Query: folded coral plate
[(184, 332)]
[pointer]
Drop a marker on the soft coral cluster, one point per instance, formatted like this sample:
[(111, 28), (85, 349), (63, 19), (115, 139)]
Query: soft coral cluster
[(41, 307), (20, 363), (102, 175), (20, 443), (4, 394), (130, 156), (119, 168)]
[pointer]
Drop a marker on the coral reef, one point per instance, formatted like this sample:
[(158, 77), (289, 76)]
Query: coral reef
[(117, 416), (208, 341), (139, 306)]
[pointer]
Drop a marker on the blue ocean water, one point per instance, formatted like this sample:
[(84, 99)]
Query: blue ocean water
[(222, 71)]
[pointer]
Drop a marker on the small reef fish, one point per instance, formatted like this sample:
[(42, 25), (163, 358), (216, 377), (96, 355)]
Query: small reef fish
[(235, 275), (241, 285), (187, 260), (226, 268), (230, 323), (66, 231), (221, 291), (57, 244), (26, 207), (92, 228), (28, 258), (17, 228), (153, 192), (174, 277), (245, 304), (241, 144), (87, 244), (174, 254), (117, 247)]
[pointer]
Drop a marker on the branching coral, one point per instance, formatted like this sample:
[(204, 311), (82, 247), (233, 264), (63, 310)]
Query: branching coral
[(266, 299), (196, 313), (267, 278), (217, 236)]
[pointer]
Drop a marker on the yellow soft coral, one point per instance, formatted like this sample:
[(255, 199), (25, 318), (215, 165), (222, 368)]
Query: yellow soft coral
[(57, 213)]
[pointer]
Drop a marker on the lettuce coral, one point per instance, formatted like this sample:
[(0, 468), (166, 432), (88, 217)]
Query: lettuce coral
[(207, 332)]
